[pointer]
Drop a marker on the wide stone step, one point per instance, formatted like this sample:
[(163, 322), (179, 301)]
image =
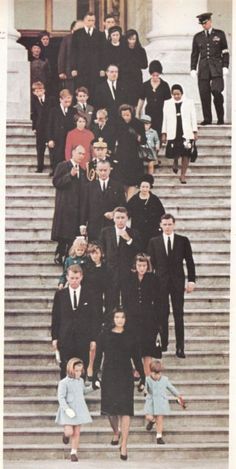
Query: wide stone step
[(186, 222), (50, 404), (38, 344), (199, 211), (49, 388), (177, 419), (22, 316), (48, 358), (192, 329), (29, 373), (45, 256), (168, 201), (136, 451), (51, 280), (191, 302), (103, 435), (189, 190)]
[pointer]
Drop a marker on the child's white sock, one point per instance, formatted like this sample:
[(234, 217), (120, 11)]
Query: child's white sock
[(159, 435), (73, 451)]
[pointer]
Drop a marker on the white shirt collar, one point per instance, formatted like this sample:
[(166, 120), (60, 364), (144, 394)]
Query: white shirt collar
[(102, 181)]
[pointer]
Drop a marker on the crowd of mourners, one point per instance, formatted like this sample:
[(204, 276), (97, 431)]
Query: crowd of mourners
[(121, 258)]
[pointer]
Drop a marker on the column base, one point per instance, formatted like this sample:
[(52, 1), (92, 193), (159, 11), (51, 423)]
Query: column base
[(18, 80)]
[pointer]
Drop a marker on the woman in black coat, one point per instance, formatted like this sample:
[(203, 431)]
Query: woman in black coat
[(145, 210), (95, 278), (134, 59), (128, 168), (155, 91), (142, 309), (118, 347), (113, 48)]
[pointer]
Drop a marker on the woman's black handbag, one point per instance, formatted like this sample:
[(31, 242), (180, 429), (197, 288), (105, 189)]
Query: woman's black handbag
[(193, 151), (145, 153)]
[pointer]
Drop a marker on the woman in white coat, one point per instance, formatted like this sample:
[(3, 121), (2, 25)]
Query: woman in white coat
[(179, 129)]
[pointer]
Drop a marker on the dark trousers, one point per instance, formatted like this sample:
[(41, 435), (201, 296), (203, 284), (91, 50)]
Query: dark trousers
[(215, 87), (40, 148), (177, 300), (74, 350), (116, 293), (63, 247)]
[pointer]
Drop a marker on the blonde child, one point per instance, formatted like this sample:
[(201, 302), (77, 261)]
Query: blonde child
[(77, 255), (73, 410), (157, 403)]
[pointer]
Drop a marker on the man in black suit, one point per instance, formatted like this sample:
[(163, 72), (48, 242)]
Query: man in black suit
[(109, 22), (73, 320), (40, 109), (110, 94), (70, 182), (102, 197), (168, 252), (61, 120), (64, 61), (210, 49), (120, 245), (86, 53)]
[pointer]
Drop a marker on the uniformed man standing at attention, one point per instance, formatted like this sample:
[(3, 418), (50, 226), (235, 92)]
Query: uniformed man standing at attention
[(211, 50)]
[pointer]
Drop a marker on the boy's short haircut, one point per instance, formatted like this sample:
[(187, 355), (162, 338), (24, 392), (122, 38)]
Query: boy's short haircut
[(121, 210), (64, 93), (75, 268), (82, 89), (168, 216), (38, 85), (88, 13)]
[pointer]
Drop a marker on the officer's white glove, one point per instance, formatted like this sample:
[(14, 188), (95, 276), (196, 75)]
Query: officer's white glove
[(70, 413), (193, 73), (225, 71)]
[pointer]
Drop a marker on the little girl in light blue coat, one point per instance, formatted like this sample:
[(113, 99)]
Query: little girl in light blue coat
[(73, 410), (157, 400)]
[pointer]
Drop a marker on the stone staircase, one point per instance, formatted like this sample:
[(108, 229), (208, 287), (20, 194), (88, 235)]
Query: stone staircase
[(202, 210)]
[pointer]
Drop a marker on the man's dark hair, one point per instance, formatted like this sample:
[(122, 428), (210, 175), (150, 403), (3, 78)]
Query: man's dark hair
[(168, 216)]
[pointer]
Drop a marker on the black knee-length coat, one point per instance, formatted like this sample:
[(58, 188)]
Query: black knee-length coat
[(142, 310), (145, 217), (117, 385), (69, 195), (129, 167)]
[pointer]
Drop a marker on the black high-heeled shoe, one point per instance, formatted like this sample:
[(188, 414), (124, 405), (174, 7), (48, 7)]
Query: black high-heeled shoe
[(123, 457), (115, 442)]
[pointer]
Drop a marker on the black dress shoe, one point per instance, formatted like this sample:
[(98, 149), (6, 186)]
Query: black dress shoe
[(51, 174), (73, 457), (150, 425), (65, 439), (164, 349), (115, 442), (39, 170), (220, 122), (180, 353), (123, 457), (160, 441), (205, 123), (58, 259)]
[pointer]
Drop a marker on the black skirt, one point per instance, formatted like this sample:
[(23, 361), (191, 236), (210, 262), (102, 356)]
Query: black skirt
[(176, 148)]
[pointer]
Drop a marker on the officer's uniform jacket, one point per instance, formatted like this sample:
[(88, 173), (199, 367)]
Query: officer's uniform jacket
[(212, 53)]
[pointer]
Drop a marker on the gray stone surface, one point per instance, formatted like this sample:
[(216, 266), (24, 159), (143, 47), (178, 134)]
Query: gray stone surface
[(107, 464)]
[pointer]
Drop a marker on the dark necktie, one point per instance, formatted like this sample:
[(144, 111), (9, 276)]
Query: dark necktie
[(208, 34), (75, 300), (169, 246), (103, 186), (41, 101), (114, 90), (84, 107)]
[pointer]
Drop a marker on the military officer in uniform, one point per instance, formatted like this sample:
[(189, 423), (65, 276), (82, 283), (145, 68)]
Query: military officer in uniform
[(210, 52), (100, 153)]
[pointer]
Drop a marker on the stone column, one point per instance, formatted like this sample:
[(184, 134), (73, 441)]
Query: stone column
[(18, 73), (174, 24)]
